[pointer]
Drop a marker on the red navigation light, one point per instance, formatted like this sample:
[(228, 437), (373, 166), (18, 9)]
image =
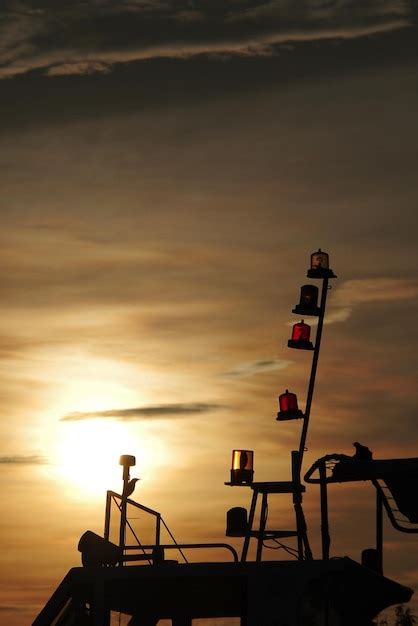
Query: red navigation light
[(300, 337), (288, 404), (320, 265), (242, 467)]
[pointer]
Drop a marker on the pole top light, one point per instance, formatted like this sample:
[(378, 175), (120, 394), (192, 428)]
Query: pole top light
[(127, 460), (320, 265)]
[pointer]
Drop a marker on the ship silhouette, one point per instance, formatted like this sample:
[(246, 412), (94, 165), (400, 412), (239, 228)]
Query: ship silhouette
[(149, 583)]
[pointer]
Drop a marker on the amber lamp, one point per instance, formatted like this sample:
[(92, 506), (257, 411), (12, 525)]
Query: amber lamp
[(242, 467), (288, 407), (300, 337), (308, 303), (320, 266)]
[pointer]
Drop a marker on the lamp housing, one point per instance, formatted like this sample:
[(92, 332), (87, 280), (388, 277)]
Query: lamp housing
[(242, 467), (236, 522), (320, 265), (288, 407), (308, 303), (301, 333)]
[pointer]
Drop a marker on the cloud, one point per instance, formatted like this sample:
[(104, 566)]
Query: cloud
[(257, 367), (161, 411), (88, 37), (362, 291), (18, 459)]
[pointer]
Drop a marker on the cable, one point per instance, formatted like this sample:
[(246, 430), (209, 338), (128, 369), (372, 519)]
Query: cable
[(175, 542)]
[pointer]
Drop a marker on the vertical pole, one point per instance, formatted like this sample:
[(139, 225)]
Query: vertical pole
[(158, 530), (123, 507), (107, 516), (379, 529), (297, 499), (249, 527), (313, 371), (324, 511), (263, 519)]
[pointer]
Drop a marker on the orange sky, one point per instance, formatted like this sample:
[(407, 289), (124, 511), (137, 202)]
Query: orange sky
[(157, 222)]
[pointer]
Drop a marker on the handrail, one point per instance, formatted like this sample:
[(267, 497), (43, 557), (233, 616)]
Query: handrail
[(389, 511), (180, 546)]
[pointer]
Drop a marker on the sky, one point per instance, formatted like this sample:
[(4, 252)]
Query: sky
[(167, 168)]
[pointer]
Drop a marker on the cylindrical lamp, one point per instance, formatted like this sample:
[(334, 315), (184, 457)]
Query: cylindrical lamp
[(288, 407), (320, 265), (301, 333), (242, 467), (308, 303)]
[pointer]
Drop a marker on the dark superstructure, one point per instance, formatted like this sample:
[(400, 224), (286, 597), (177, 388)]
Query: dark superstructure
[(147, 583)]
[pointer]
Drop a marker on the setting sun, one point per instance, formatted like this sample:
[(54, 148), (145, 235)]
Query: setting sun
[(88, 451)]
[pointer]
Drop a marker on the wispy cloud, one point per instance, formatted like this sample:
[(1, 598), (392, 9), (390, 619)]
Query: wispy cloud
[(90, 37), (256, 367), (362, 291), (159, 411), (19, 459)]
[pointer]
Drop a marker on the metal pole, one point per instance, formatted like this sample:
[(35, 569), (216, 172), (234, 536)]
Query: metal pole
[(123, 506), (379, 530), (107, 516), (313, 372), (249, 527), (263, 519), (324, 511), (158, 530)]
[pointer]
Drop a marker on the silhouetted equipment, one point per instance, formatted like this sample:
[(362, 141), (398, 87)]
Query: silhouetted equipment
[(242, 467), (320, 266), (363, 453), (328, 591), (370, 559), (96, 550), (127, 461), (300, 337), (308, 303), (404, 488), (236, 522), (395, 481), (288, 407)]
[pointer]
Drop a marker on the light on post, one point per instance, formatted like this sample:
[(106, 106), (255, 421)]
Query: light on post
[(320, 265), (242, 467), (301, 333), (308, 303), (288, 407)]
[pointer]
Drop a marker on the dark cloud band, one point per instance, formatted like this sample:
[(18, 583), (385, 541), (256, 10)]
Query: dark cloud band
[(162, 411), (91, 37), (22, 460)]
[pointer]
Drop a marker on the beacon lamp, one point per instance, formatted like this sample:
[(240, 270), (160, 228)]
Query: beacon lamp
[(242, 467), (308, 303), (288, 407), (301, 333), (320, 266)]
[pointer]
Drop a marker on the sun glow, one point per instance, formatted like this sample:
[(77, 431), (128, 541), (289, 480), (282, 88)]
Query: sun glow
[(88, 452)]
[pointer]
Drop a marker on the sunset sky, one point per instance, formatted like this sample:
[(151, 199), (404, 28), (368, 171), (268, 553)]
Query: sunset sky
[(167, 167)]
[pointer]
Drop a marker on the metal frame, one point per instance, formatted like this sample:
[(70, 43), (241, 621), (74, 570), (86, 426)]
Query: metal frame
[(303, 549)]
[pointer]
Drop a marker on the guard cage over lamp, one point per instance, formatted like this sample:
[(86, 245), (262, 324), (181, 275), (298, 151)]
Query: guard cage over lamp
[(320, 266), (242, 467), (288, 407), (301, 333), (308, 303)]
